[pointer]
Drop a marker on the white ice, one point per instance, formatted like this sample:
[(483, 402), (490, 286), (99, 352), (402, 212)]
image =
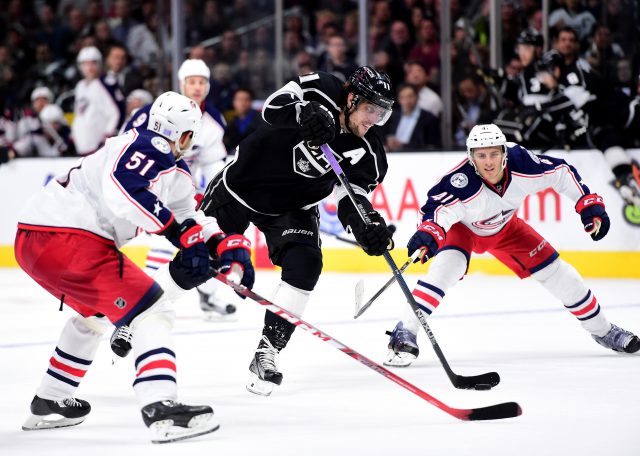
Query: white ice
[(577, 398)]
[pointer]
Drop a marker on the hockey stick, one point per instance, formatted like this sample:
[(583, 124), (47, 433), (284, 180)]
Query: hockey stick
[(391, 227), (359, 291), (492, 412), (480, 382)]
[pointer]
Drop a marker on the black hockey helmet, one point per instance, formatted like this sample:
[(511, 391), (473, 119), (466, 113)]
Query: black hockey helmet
[(372, 86), (530, 36), (550, 60)]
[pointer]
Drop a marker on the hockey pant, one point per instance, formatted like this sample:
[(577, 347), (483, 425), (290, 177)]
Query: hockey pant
[(559, 278)]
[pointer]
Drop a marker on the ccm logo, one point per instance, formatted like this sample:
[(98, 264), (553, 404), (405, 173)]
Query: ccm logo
[(236, 243), (433, 230), (195, 238), (538, 248), (593, 200)]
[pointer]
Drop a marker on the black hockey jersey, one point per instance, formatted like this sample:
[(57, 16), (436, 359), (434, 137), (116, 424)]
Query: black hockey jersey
[(274, 172)]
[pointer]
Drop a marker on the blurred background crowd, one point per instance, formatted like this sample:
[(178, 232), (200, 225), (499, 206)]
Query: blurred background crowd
[(41, 42)]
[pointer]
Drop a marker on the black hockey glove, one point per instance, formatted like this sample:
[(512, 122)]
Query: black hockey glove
[(190, 267), (317, 125), (429, 236), (594, 217), (234, 258), (375, 239)]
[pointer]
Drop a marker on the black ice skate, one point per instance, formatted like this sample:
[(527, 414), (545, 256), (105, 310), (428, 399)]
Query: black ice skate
[(619, 340), (215, 309), (49, 414), (170, 421), (263, 369), (403, 348)]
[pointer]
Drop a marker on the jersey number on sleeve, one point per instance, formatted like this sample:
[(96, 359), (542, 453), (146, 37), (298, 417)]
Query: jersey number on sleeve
[(137, 159)]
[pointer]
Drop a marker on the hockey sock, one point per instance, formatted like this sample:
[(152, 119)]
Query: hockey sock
[(564, 282), (71, 358), (155, 360), (277, 329), (446, 268)]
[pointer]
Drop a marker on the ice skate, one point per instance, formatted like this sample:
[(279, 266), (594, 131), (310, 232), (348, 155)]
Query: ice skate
[(50, 414), (215, 309), (170, 421), (620, 340), (263, 369), (403, 348)]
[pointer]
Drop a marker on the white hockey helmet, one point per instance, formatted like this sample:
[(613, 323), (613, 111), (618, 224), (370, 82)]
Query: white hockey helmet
[(89, 54), (42, 92), (52, 113), (140, 94), (486, 135), (194, 67), (173, 114)]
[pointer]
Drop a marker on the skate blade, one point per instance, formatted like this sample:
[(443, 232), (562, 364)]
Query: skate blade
[(394, 359), (259, 387), (165, 432), (38, 422)]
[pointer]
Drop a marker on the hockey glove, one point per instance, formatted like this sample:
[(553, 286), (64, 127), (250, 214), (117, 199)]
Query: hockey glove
[(429, 236), (375, 239), (234, 257), (317, 125), (594, 217), (190, 267)]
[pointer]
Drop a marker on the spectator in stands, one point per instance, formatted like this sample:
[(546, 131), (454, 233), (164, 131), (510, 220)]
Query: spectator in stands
[(122, 23), (603, 54), (98, 106), (336, 61), (120, 72), (417, 76), (411, 128), (223, 85), (229, 48), (427, 49), (472, 107), (397, 46), (571, 14), (141, 41), (102, 33), (243, 120)]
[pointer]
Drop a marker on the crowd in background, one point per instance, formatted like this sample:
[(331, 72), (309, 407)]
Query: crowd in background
[(40, 42)]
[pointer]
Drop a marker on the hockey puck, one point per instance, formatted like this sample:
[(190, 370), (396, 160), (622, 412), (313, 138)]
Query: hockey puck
[(483, 387)]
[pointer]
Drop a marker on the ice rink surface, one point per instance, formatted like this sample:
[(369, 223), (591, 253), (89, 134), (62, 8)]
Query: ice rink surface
[(577, 398)]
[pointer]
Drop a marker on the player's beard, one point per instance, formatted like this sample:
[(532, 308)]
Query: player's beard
[(353, 128)]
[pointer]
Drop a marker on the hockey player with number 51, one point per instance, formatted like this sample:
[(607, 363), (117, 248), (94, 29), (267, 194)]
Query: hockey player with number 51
[(472, 209), (68, 241)]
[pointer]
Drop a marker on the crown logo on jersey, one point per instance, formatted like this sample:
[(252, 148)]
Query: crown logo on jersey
[(120, 303), (303, 165)]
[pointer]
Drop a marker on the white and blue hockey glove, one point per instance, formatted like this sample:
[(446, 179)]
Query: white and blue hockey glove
[(593, 215), (234, 257), (430, 237), (190, 267)]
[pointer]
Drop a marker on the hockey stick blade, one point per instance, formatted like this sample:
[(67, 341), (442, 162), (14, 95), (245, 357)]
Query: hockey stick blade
[(360, 309), (359, 294), (477, 382), (495, 412), (492, 412)]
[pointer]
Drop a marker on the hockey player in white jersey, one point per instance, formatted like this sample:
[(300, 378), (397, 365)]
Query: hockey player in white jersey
[(68, 241), (205, 159), (99, 104), (472, 209)]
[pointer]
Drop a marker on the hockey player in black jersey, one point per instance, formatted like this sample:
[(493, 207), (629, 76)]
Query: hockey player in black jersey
[(279, 175)]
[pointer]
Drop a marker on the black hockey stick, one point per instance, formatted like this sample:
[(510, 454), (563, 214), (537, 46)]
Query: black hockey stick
[(359, 290), (480, 382), (350, 241), (492, 412)]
